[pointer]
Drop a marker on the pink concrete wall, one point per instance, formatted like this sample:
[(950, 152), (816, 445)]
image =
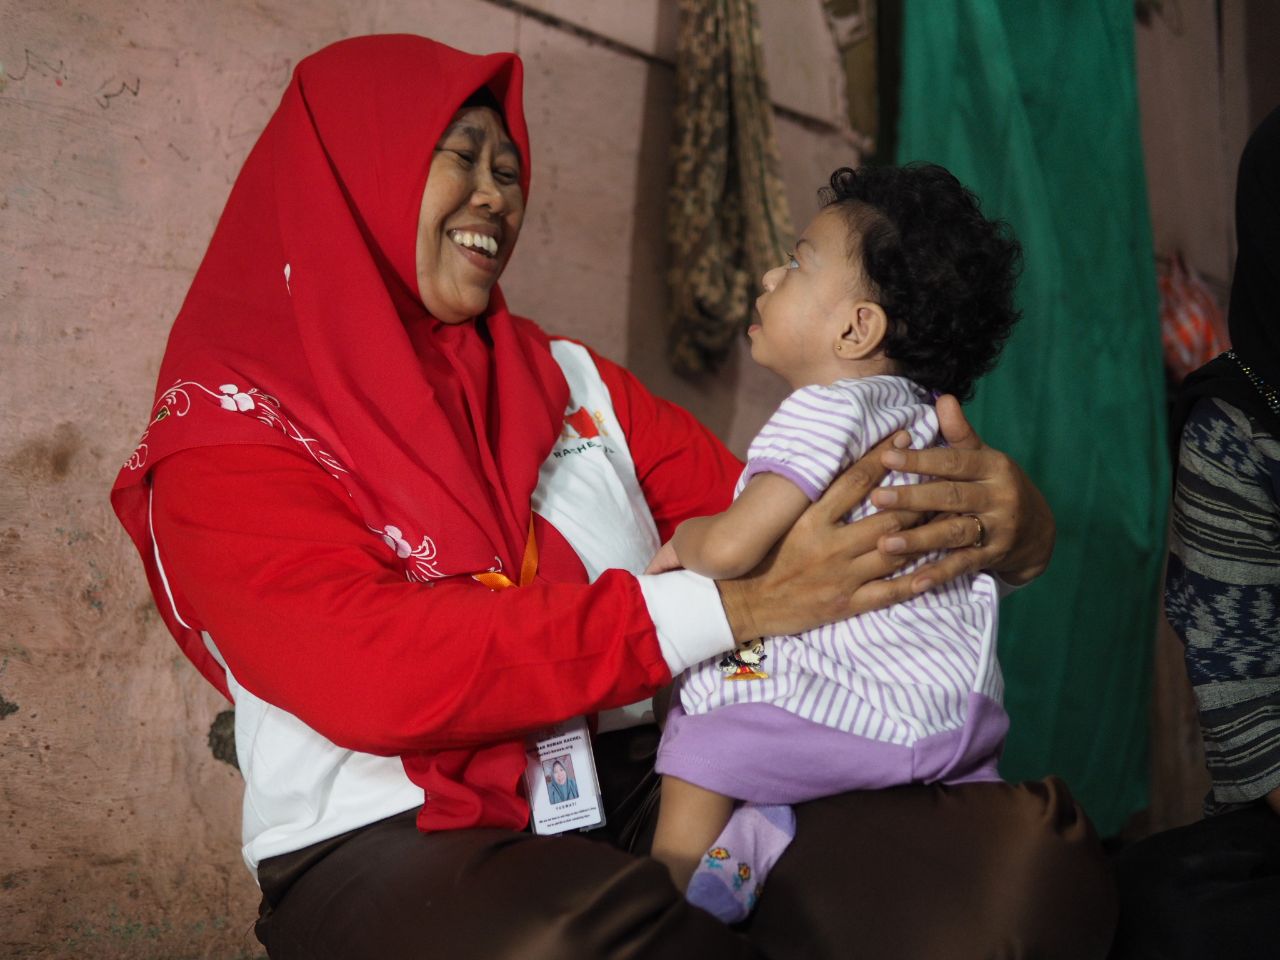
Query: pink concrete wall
[(122, 126)]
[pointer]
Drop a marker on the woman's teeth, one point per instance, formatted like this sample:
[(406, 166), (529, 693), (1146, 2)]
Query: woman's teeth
[(475, 241)]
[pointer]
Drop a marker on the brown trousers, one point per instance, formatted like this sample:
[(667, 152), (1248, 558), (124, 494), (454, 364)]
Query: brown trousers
[(978, 871)]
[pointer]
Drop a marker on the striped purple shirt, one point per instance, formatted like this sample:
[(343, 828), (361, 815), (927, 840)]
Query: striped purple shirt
[(894, 676)]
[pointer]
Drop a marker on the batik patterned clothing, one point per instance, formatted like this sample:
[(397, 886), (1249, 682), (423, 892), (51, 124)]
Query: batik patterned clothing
[(908, 694), (1222, 594)]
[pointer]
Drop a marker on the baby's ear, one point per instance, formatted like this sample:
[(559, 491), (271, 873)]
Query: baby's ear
[(861, 331)]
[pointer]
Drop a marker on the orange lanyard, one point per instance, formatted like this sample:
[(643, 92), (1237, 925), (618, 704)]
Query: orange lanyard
[(528, 567)]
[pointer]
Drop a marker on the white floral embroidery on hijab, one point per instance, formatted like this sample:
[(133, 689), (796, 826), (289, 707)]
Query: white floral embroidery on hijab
[(419, 563)]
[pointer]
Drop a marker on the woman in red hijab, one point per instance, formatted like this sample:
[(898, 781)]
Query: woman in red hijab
[(355, 449)]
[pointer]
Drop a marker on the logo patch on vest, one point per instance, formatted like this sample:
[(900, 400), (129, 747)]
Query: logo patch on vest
[(586, 427)]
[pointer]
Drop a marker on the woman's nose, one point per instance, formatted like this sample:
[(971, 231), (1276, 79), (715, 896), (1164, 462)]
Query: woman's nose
[(485, 192)]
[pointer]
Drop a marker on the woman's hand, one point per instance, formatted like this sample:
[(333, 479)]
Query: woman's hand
[(1014, 532), (824, 570), (665, 559)]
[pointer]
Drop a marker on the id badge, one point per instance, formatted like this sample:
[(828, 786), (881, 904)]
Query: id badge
[(560, 774)]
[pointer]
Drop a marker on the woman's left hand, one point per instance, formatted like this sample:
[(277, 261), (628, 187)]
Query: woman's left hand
[(990, 514)]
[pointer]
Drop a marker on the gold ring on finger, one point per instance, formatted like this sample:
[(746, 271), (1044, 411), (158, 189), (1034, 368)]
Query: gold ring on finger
[(982, 530)]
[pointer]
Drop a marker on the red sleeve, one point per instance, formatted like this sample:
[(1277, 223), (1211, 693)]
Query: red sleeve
[(265, 552), (684, 469)]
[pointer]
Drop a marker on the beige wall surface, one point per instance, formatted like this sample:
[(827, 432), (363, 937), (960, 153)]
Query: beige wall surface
[(1207, 75), (1189, 174), (122, 126)]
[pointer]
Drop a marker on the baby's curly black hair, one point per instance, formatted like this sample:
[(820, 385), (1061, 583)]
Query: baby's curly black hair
[(943, 272)]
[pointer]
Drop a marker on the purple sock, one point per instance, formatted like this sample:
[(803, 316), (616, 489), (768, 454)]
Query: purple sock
[(729, 879)]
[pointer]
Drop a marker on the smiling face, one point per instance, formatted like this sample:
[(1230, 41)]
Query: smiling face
[(558, 772), (808, 306), (470, 217)]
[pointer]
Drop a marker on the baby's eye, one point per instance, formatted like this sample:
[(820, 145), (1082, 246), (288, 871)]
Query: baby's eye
[(792, 262)]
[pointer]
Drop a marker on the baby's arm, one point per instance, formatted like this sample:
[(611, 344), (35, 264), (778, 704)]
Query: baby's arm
[(730, 544)]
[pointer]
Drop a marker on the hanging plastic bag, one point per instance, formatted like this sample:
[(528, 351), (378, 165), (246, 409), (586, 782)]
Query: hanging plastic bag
[(1190, 319)]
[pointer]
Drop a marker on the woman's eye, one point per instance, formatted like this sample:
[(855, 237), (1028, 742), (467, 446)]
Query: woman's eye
[(461, 154), (506, 176), (792, 262)]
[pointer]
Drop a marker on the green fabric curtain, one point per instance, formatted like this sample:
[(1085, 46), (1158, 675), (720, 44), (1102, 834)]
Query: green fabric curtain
[(1033, 104)]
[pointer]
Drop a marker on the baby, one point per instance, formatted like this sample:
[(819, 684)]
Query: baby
[(899, 290)]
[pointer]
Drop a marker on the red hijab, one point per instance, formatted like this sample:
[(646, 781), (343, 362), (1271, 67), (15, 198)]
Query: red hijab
[(304, 329)]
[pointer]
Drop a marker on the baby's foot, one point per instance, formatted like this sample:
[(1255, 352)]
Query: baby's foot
[(729, 879)]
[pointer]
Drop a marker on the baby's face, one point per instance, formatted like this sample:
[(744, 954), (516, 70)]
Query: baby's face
[(797, 314)]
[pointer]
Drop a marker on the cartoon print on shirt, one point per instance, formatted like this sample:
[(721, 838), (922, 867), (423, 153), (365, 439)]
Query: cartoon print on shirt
[(744, 662)]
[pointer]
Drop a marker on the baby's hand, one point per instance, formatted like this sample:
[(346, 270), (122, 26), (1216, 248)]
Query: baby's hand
[(665, 559)]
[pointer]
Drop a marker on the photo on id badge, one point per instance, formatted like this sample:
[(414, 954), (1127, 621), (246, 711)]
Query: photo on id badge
[(560, 775), (562, 785)]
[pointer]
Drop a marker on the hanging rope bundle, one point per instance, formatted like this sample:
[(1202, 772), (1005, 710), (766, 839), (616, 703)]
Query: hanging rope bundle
[(727, 216)]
